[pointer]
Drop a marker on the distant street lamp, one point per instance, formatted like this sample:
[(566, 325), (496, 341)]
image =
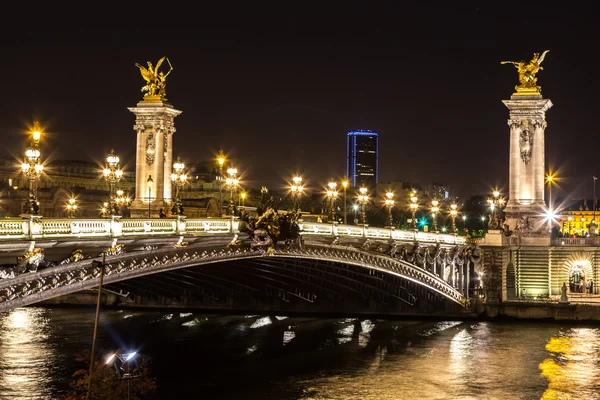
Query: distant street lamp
[(232, 183), (389, 203), (345, 186), (453, 214), (464, 219), (363, 199), (297, 189), (178, 177), (355, 208), (32, 169), (71, 207), (221, 161), (435, 209), (112, 174), (243, 196), (414, 206), (483, 222), (150, 182)]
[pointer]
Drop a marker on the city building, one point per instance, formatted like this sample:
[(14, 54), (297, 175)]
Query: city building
[(576, 219), (437, 191), (362, 152)]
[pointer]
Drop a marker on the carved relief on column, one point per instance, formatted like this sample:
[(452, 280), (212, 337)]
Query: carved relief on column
[(526, 141), (150, 148)]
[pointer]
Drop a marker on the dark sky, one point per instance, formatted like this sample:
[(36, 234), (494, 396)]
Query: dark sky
[(278, 87)]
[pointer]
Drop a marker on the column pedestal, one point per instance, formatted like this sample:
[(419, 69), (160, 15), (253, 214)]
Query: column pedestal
[(154, 155), (526, 209)]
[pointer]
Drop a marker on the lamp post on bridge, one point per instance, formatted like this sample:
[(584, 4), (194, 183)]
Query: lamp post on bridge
[(231, 182), (332, 194), (32, 169), (221, 161), (178, 177), (435, 209), (345, 186), (363, 199), (453, 214), (71, 207), (389, 203), (112, 174), (414, 206), (297, 189)]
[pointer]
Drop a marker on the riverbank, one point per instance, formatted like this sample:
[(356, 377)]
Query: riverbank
[(518, 310)]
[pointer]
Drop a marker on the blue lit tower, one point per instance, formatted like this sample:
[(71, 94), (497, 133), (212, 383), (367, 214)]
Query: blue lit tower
[(362, 158)]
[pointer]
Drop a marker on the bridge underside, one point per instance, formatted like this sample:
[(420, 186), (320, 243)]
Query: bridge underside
[(283, 284)]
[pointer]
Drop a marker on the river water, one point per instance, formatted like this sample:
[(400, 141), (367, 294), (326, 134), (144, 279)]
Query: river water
[(210, 356)]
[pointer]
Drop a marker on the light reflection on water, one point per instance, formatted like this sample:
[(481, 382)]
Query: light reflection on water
[(25, 359), (308, 358)]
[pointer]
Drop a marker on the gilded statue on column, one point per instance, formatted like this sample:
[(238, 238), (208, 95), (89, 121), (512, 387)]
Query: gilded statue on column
[(156, 81), (527, 71)]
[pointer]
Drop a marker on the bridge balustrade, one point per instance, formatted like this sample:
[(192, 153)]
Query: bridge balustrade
[(36, 227)]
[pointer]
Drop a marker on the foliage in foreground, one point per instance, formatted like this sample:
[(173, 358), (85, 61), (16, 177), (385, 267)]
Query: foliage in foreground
[(106, 384)]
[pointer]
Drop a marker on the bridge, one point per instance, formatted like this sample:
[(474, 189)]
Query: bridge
[(213, 263)]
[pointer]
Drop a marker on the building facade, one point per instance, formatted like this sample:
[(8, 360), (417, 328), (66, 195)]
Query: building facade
[(362, 158)]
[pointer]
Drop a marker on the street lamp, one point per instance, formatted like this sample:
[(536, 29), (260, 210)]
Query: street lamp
[(112, 174), (32, 169), (232, 181), (71, 207), (221, 161), (414, 206), (332, 194), (297, 189), (453, 214), (345, 186), (243, 197), (355, 208), (150, 182), (389, 202), (435, 208), (363, 199), (127, 365), (495, 202), (464, 218), (178, 177), (550, 180)]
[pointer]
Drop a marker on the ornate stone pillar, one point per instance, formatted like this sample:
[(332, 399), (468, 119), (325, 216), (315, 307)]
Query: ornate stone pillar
[(527, 123), (154, 126)]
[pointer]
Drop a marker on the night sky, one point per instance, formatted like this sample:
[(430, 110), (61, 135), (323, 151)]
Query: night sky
[(278, 87)]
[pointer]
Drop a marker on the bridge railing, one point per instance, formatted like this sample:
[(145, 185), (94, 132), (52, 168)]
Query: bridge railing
[(36, 227)]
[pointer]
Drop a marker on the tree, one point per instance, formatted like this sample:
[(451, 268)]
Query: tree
[(106, 384)]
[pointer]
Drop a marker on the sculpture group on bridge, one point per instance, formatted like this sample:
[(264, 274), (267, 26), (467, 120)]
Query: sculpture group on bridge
[(270, 227)]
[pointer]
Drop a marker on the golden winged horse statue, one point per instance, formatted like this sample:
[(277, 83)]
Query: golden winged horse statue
[(527, 71), (156, 81)]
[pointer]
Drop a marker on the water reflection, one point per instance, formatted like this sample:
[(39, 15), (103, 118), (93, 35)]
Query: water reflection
[(573, 370), (26, 360)]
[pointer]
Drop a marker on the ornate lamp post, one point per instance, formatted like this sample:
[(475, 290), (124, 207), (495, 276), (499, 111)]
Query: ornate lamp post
[(345, 186), (389, 203), (435, 209), (32, 168), (232, 181), (112, 174), (363, 199), (178, 177), (297, 189), (71, 207), (221, 161), (414, 206), (332, 194), (150, 182), (495, 202), (453, 214), (243, 197)]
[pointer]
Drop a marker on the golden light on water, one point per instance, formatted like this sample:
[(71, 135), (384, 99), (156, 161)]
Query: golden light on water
[(573, 371)]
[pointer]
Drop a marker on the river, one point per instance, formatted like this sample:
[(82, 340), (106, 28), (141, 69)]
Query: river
[(217, 356)]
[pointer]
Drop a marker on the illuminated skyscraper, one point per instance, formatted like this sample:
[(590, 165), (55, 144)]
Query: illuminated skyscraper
[(362, 158)]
